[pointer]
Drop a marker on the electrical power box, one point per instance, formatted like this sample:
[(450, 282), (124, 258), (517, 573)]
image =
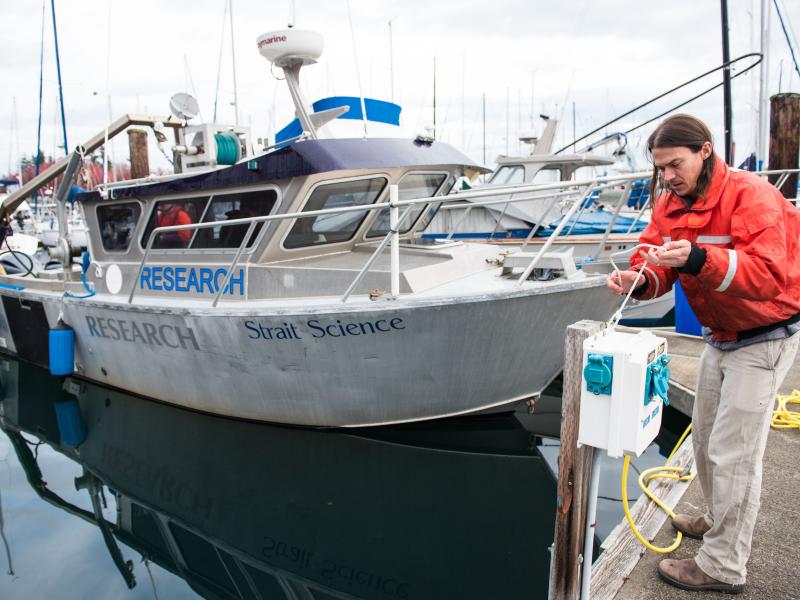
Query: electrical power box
[(624, 388)]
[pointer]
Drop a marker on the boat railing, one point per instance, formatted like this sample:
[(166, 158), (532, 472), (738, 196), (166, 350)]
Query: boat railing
[(580, 189)]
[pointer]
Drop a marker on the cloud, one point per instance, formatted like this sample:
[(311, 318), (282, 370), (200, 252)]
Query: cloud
[(604, 56)]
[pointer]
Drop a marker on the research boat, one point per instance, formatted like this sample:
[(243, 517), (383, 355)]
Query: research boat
[(292, 286)]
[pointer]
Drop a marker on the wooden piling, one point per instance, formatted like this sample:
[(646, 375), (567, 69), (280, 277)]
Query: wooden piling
[(137, 143), (784, 139), (574, 472)]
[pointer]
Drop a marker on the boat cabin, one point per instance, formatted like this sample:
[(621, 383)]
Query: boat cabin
[(282, 258), (546, 168)]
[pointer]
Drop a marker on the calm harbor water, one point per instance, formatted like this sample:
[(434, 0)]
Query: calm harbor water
[(159, 502)]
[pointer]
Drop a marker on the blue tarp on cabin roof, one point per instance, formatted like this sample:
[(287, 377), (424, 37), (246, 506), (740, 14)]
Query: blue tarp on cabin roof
[(306, 158)]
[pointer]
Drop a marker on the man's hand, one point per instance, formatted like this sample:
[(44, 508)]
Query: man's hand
[(620, 282), (672, 254)]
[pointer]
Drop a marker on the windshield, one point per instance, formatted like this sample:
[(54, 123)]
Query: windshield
[(329, 229)]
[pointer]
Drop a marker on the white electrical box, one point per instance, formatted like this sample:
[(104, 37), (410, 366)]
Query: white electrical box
[(623, 391)]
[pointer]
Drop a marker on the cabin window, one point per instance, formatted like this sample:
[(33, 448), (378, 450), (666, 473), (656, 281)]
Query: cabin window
[(329, 229), (433, 207), (227, 207), (180, 211), (117, 222), (508, 175), (413, 185), (584, 173), (547, 176)]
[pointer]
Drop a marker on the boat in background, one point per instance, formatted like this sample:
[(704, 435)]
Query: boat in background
[(492, 219)]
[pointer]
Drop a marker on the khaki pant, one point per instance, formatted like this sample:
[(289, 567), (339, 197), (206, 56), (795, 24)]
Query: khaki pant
[(730, 422)]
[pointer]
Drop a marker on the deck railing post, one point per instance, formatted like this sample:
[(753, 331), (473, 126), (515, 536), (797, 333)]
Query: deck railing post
[(457, 225), (381, 247), (394, 225), (529, 269), (539, 223), (574, 473), (141, 264), (622, 201), (233, 264)]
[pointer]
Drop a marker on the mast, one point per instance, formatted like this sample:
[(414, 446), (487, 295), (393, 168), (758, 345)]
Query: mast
[(39, 125), (58, 70), (507, 117), (763, 96), (726, 84), (233, 60), (463, 116), (391, 62), (434, 97), (484, 128)]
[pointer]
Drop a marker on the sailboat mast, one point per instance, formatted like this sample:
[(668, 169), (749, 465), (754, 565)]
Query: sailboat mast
[(233, 59), (41, 88), (484, 129), (726, 83), (391, 62), (763, 96), (434, 97), (58, 69)]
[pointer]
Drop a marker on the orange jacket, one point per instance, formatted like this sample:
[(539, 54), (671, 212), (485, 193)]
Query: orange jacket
[(175, 216), (744, 268)]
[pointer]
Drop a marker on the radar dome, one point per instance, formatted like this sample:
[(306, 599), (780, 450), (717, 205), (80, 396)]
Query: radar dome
[(289, 46)]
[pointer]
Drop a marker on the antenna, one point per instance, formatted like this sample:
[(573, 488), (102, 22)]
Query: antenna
[(291, 50), (184, 106)]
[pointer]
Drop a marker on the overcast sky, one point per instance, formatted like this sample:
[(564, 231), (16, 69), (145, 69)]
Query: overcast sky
[(606, 56)]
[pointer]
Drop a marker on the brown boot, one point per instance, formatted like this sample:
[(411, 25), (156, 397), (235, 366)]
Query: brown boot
[(685, 574), (693, 527)]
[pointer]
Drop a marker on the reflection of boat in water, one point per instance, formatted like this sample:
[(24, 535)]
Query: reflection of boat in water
[(455, 509)]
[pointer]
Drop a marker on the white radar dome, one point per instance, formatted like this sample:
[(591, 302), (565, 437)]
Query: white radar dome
[(290, 46)]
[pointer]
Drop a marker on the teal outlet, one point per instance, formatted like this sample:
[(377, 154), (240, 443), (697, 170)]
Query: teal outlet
[(598, 373), (657, 380)]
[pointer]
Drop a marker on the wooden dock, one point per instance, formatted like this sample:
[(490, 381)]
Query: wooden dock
[(627, 571)]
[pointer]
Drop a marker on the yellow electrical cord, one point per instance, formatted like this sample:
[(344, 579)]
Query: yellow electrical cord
[(782, 417), (662, 472)]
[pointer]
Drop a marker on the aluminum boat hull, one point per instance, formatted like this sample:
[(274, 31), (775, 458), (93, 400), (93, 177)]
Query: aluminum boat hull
[(326, 363)]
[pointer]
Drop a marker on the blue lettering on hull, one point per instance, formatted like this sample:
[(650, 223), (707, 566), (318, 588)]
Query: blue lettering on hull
[(204, 280)]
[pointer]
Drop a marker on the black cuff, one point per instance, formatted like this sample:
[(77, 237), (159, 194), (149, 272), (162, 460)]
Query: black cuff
[(695, 262), (641, 289)]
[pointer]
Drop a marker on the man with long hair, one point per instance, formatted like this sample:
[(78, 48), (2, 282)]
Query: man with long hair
[(732, 240)]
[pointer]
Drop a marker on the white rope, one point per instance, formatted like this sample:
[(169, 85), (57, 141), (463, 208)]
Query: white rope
[(612, 322)]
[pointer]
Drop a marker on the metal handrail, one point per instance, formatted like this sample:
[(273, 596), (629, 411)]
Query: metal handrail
[(396, 204), (380, 248), (546, 246), (235, 260), (613, 220)]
